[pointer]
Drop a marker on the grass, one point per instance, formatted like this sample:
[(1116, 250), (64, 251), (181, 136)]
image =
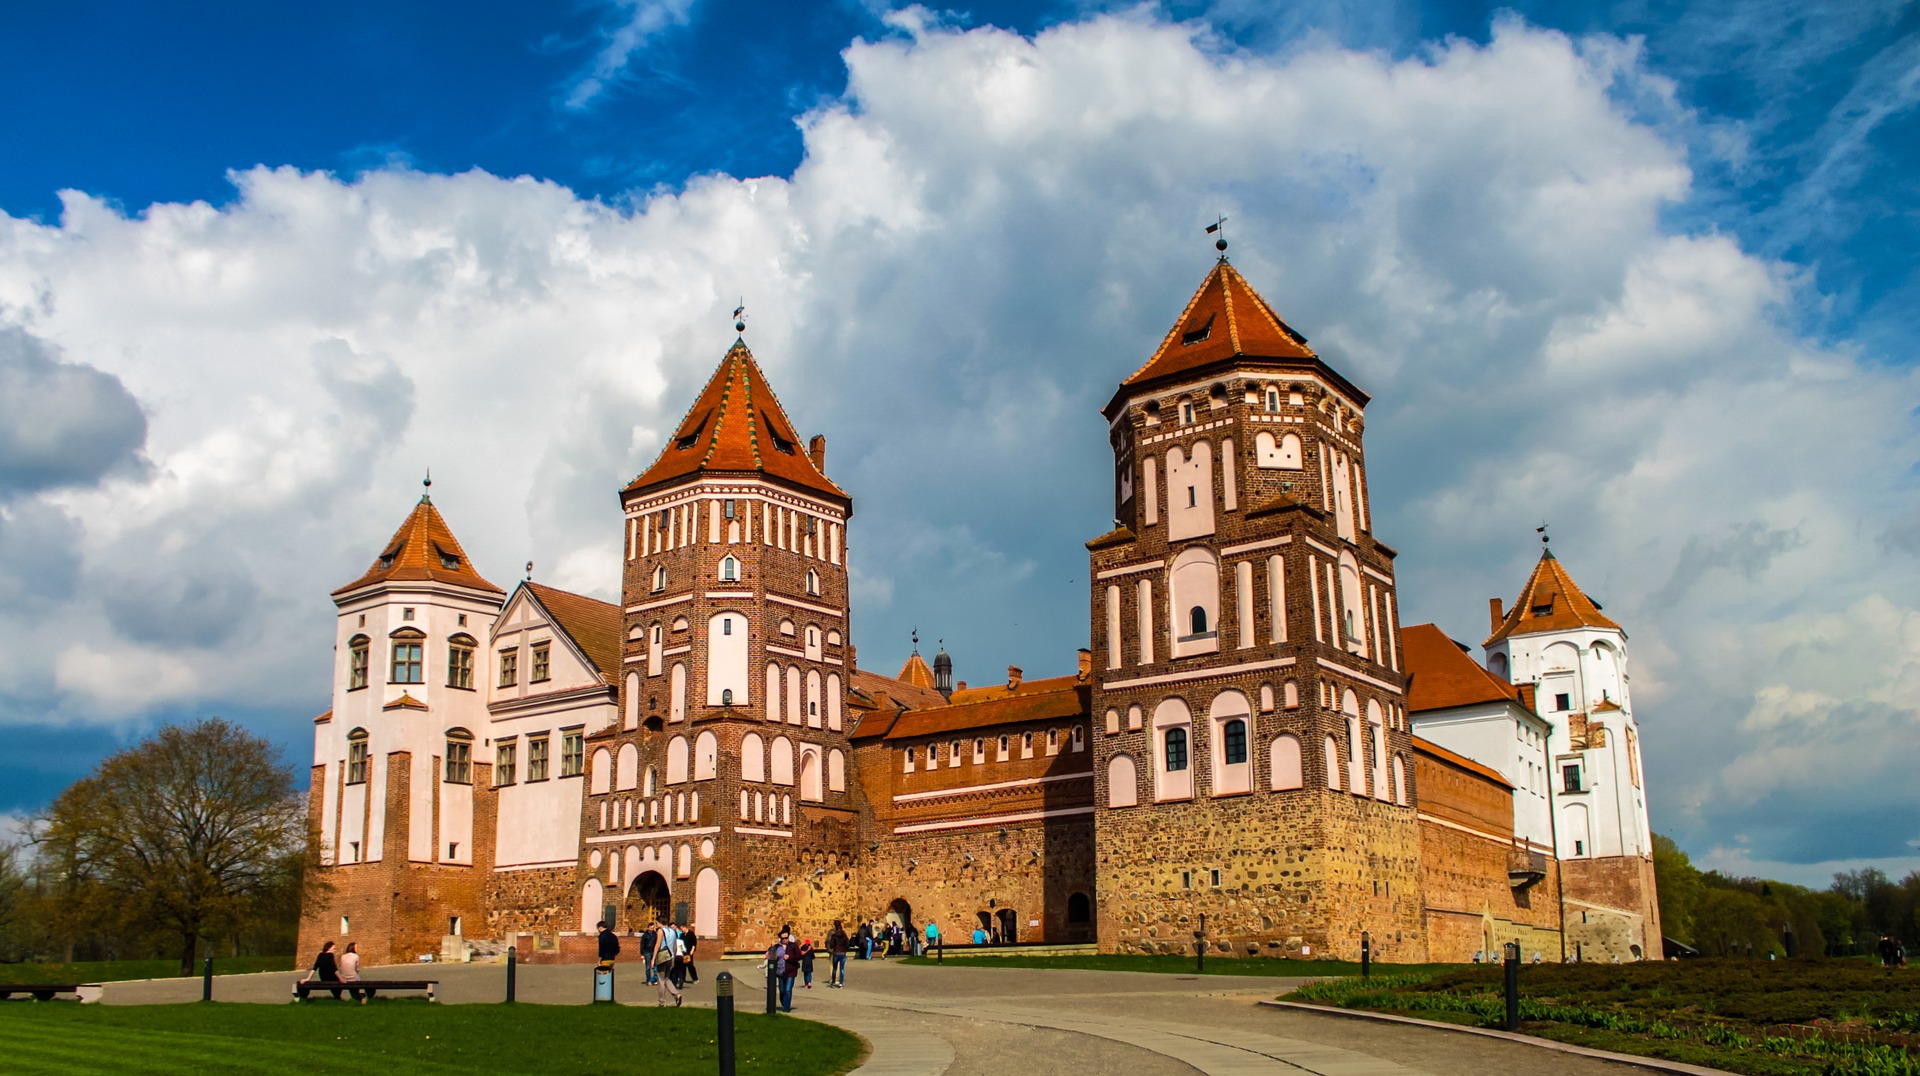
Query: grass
[(1172, 965), (404, 1036), (1763, 1018), (112, 971)]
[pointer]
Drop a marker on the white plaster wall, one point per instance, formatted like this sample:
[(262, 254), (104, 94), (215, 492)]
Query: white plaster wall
[(1190, 492)]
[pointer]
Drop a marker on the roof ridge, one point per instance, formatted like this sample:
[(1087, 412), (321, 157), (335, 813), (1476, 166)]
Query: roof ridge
[(1177, 322), (1226, 300)]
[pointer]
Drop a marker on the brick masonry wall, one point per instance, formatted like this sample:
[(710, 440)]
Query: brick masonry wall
[(1611, 908)]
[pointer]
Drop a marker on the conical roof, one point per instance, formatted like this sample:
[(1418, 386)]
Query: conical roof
[(1225, 319), (915, 672), (423, 549), (737, 426), (1551, 601)]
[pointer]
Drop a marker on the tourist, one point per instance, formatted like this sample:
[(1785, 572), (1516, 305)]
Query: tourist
[(326, 968), (1889, 951), (837, 943), (979, 936), (865, 935), (649, 939), (688, 939), (609, 945), (806, 962), (783, 959), (933, 935), (663, 968), (993, 936), (350, 972)]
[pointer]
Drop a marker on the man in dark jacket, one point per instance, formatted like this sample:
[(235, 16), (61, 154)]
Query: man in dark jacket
[(649, 941), (609, 944), (837, 945), (784, 960)]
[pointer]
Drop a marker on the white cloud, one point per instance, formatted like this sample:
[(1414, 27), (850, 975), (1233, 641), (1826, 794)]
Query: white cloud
[(985, 236), (640, 22)]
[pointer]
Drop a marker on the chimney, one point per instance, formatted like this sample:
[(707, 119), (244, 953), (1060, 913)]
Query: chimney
[(1013, 677), (1493, 606), (817, 452), (1086, 665), (853, 659), (961, 686)]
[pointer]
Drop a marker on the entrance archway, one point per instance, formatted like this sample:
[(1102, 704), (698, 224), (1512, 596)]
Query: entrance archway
[(900, 913), (1009, 927), (649, 900)]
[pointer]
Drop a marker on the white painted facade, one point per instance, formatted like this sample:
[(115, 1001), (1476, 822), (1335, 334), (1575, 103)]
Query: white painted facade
[(1505, 737)]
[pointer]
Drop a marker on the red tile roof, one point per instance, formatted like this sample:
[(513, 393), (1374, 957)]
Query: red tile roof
[(1550, 601), (1026, 687), (1006, 710), (1442, 675), (1224, 319), (424, 548), (916, 672), (1434, 750), (593, 625), (738, 426), (886, 692)]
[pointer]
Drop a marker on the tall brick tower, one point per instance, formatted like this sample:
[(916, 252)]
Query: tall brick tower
[(727, 804), (1253, 757)]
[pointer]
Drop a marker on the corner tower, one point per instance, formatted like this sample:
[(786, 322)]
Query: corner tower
[(1253, 758), (729, 764), (1559, 641)]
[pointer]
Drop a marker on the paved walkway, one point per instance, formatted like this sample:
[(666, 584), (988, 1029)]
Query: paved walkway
[(988, 1021)]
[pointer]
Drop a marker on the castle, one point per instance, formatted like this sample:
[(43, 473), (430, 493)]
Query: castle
[(1251, 737)]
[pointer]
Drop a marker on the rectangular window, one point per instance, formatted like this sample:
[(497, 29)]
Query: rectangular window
[(460, 666), (459, 762), (1563, 702), (1176, 750), (509, 667), (537, 758), (406, 662), (406, 612), (573, 753), (1214, 878), (357, 760), (728, 507), (503, 763), (1570, 775), (541, 668), (357, 667)]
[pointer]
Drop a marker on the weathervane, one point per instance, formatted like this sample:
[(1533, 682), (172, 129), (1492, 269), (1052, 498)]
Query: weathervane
[(426, 485), (1220, 244), (1541, 530), (529, 571), (916, 640), (740, 316)]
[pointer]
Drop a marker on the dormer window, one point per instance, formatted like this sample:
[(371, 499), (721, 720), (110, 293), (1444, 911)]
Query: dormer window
[(1544, 609), (449, 561), (780, 444), (1194, 336)]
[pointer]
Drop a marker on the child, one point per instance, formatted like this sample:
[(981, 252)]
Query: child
[(806, 961)]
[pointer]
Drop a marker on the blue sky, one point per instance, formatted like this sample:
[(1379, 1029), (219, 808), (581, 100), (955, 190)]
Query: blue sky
[(1679, 226)]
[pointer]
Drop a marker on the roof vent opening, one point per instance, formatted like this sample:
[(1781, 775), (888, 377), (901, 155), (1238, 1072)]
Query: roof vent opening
[(1194, 336), (692, 437), (391, 555)]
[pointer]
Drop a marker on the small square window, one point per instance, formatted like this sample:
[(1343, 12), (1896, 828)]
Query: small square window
[(406, 612), (363, 620), (463, 620), (1186, 879), (1563, 702), (1214, 877)]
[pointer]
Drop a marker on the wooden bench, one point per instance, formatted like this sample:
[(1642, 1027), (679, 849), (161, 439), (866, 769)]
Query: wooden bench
[(369, 987), (87, 992)]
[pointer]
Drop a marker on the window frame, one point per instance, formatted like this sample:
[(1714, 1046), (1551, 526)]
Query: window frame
[(506, 760), (457, 762), (359, 758), (540, 668), (359, 663), (411, 669), (460, 650), (1176, 761), (539, 756), (1228, 741), (509, 667), (573, 752)]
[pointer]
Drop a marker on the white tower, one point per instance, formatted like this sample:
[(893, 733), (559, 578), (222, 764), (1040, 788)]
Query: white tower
[(1556, 642)]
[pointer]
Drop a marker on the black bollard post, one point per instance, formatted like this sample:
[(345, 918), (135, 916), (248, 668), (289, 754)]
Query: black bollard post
[(773, 990), (723, 1000), (1200, 946), (1513, 986), (206, 980), (513, 958), (1366, 956)]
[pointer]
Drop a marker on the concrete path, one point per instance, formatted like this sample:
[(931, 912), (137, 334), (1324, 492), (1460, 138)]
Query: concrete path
[(988, 1021)]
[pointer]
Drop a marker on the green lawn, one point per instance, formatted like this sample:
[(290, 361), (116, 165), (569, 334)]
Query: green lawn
[(404, 1036), (111, 971), (1171, 965)]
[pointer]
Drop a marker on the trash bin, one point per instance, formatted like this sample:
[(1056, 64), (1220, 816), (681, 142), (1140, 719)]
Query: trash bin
[(603, 981)]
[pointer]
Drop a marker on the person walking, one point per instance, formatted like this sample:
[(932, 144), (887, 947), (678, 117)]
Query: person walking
[(609, 944), (806, 962), (933, 936), (663, 961), (326, 968), (783, 958), (837, 945), (350, 972), (688, 939), (979, 936), (649, 939), (866, 941)]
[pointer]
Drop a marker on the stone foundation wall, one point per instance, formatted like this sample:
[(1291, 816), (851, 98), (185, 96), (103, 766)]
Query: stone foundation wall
[(1472, 908), (1612, 908), (1034, 870)]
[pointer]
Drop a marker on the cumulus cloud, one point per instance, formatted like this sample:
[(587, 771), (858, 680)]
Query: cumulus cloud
[(986, 234), (61, 423)]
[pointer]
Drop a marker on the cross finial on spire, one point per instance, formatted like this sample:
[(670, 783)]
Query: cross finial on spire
[(740, 316), (1541, 530), (1219, 226)]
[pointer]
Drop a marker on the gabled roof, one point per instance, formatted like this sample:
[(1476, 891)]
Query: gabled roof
[(886, 692), (1550, 601), (737, 426), (1225, 319), (423, 549), (593, 625), (1442, 675)]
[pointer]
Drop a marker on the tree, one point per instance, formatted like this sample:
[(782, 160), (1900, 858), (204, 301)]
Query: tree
[(1677, 882), (195, 833)]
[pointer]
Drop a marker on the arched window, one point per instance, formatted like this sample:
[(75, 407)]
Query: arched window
[(781, 762), (1230, 720), (1273, 398), (813, 643), (1197, 619), (1234, 742), (1171, 740), (1284, 762), (1123, 783), (834, 695), (677, 693), (837, 770), (357, 649), (1333, 763), (600, 772), (1176, 750), (753, 758), (727, 657), (676, 760), (1400, 780), (1290, 694), (647, 783), (459, 757), (358, 758), (1194, 597), (407, 648), (773, 692), (786, 627), (729, 569), (660, 579), (632, 720), (460, 661), (706, 756), (813, 582)]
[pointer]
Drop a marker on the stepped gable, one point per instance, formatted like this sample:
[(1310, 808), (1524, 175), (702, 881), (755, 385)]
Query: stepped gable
[(422, 550), (1442, 675), (1550, 601), (737, 426), (1225, 320), (593, 625)]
